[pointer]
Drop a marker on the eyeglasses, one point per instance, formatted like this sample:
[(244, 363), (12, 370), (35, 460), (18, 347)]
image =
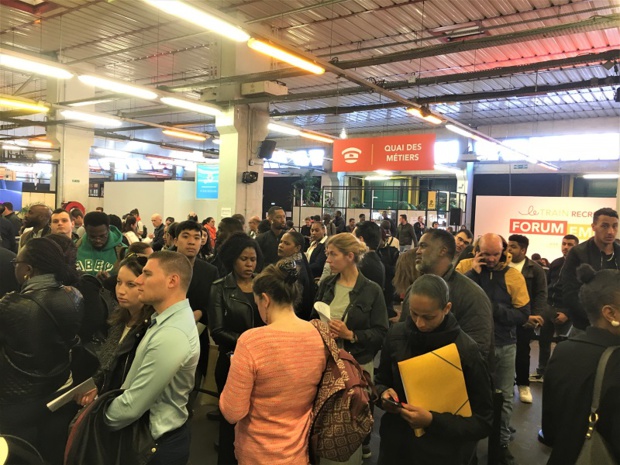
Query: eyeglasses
[(15, 262)]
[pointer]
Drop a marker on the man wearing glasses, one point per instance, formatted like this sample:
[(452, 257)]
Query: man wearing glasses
[(463, 239)]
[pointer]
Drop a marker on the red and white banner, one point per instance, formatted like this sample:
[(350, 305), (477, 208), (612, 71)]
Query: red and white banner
[(392, 153), (544, 220)]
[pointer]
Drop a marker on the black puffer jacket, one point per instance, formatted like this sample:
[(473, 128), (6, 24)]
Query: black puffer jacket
[(230, 313), (34, 350)]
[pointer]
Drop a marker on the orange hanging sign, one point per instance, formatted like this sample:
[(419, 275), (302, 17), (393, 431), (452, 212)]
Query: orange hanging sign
[(392, 153)]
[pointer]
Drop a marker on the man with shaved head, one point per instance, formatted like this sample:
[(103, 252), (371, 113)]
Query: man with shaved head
[(506, 288), (38, 219), (253, 223), (158, 233)]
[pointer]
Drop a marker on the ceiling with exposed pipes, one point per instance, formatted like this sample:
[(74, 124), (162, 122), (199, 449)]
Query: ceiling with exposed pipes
[(478, 62)]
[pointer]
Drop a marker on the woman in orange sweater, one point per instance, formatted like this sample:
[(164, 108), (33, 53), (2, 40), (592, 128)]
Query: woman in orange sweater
[(273, 378)]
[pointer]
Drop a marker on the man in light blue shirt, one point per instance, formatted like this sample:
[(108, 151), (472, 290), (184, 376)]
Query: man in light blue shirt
[(161, 376)]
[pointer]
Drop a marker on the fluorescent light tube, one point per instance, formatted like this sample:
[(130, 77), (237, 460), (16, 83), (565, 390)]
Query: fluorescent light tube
[(185, 135), (310, 135), (41, 143), (34, 66), (91, 118), (90, 102), (118, 87), (384, 172), (463, 132), (192, 106), (376, 178), (23, 105), (283, 129), (429, 118), (43, 156), (200, 18), (287, 57), (601, 176)]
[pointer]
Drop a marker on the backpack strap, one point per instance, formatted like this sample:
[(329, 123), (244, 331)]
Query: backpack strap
[(598, 386), (328, 340), (69, 344), (600, 376)]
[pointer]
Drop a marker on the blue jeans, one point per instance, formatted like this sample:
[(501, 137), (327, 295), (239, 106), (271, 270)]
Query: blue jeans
[(504, 378)]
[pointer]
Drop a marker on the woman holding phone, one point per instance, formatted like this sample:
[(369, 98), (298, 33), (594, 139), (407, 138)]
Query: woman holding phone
[(448, 439)]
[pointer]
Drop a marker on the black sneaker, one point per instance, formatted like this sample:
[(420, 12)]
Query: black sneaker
[(505, 456), (536, 378)]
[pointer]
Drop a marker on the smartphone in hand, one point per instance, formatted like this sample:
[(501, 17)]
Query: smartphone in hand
[(392, 402)]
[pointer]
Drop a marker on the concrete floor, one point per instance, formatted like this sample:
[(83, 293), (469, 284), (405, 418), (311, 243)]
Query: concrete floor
[(525, 447)]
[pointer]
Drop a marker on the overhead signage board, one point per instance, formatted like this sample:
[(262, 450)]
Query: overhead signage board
[(391, 153), (207, 181)]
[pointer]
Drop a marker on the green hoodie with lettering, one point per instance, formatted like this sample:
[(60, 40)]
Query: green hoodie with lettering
[(93, 261)]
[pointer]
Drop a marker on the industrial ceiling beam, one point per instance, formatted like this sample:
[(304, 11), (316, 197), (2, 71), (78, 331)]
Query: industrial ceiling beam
[(460, 98), (591, 24), (439, 80)]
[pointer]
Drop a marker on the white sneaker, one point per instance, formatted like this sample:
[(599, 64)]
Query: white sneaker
[(525, 395)]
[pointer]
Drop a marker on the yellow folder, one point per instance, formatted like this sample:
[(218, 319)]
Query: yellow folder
[(435, 382)]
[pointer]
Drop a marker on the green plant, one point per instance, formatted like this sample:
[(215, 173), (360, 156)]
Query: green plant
[(307, 183)]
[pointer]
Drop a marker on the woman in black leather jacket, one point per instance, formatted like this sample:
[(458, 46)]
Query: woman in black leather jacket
[(448, 439), (38, 328), (359, 319), (232, 311)]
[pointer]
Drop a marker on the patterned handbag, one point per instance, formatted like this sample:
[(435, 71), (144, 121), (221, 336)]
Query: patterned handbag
[(341, 415)]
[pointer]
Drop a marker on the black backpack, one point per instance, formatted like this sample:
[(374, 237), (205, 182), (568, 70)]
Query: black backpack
[(389, 257), (99, 304)]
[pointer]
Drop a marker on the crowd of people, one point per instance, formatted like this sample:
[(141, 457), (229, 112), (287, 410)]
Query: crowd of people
[(95, 298)]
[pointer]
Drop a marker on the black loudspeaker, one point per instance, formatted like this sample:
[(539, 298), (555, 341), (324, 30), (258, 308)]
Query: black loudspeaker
[(248, 177), (266, 149), (455, 216)]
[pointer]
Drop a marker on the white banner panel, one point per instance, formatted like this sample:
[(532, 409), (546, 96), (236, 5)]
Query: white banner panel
[(544, 220)]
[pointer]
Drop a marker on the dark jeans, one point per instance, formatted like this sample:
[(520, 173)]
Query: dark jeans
[(33, 422), (522, 360), (226, 448), (173, 447), (544, 345)]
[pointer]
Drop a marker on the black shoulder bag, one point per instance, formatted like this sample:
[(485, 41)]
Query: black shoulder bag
[(595, 450)]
